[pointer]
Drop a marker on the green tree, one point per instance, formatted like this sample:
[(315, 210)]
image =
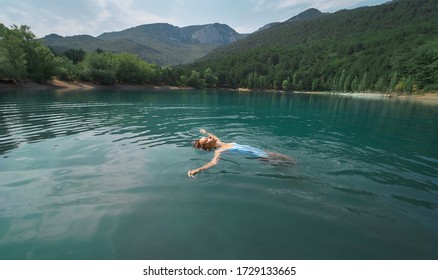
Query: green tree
[(253, 80), (65, 69), (347, 84), (12, 52), (380, 85), (355, 84), (99, 67), (409, 85), (363, 85), (183, 81), (195, 80), (169, 76), (295, 82), (341, 82), (286, 85), (129, 69), (41, 63), (315, 84), (393, 82), (400, 86), (75, 55), (210, 78), (425, 62)]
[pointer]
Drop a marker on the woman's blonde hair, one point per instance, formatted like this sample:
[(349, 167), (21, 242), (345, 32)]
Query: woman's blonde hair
[(198, 145)]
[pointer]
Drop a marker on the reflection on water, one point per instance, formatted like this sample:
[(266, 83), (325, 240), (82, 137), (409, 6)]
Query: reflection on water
[(102, 175)]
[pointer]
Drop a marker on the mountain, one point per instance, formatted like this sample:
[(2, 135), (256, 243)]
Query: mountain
[(213, 34), (210, 34), (390, 46), (306, 15), (269, 25), (159, 43)]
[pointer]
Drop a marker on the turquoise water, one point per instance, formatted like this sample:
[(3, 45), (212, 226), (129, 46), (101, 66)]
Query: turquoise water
[(103, 175)]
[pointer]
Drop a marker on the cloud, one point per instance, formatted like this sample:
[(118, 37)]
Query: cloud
[(328, 6), (111, 15), (78, 17), (320, 4), (126, 13), (260, 6), (42, 16)]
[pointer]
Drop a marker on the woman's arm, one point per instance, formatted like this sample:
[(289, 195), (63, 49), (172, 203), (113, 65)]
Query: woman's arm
[(213, 162), (208, 133)]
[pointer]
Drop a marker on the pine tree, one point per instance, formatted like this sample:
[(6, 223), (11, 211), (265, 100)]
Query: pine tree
[(355, 84), (379, 86), (286, 84), (409, 85), (340, 85), (295, 82), (347, 84), (315, 84), (363, 86), (211, 80), (393, 82)]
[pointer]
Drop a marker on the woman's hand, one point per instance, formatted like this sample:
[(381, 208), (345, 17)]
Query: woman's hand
[(191, 173), (203, 131)]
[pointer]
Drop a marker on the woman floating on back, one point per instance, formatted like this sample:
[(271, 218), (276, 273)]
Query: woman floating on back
[(212, 142)]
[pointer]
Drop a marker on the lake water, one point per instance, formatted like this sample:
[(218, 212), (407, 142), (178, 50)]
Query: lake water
[(103, 175)]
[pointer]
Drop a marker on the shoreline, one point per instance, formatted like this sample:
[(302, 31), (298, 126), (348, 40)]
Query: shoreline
[(69, 86), (430, 98), (66, 86)]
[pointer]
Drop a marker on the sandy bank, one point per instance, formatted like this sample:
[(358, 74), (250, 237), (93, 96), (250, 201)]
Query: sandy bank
[(69, 86), (427, 98), (10, 86), (54, 84), (66, 86), (430, 98)]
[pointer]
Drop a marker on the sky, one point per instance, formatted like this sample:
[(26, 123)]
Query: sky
[(94, 17)]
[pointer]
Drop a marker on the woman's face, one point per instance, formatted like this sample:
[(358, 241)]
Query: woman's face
[(208, 142)]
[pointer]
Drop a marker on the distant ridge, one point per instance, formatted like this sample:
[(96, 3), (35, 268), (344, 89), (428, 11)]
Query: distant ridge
[(160, 43), (307, 14), (208, 34)]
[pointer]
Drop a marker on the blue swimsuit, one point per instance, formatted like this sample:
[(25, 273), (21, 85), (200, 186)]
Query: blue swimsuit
[(248, 150)]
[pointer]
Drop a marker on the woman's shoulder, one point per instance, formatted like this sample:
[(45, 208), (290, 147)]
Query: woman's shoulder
[(226, 146)]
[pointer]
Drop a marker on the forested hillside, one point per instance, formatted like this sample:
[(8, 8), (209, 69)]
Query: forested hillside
[(390, 47)]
